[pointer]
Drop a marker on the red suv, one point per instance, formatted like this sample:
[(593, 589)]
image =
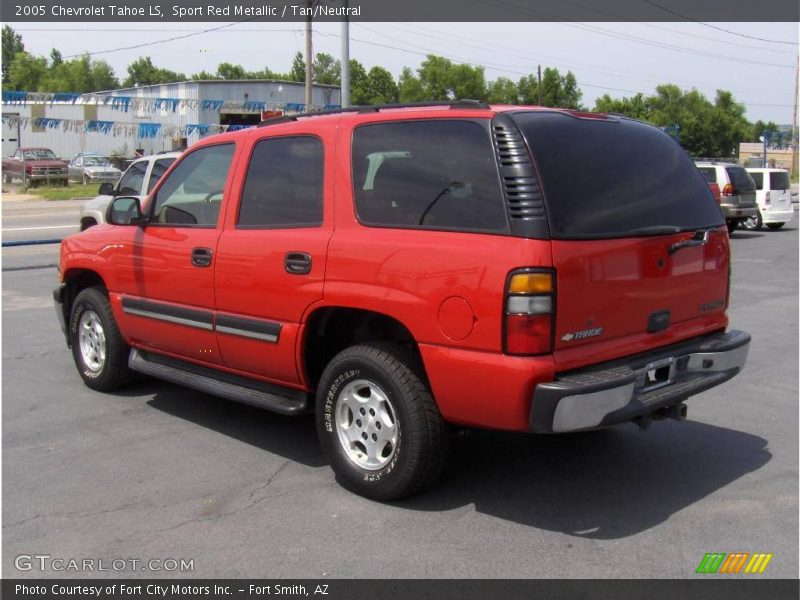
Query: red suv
[(398, 269)]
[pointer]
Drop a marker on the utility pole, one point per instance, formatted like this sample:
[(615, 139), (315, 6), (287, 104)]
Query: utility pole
[(794, 119), (309, 57), (345, 91), (539, 87)]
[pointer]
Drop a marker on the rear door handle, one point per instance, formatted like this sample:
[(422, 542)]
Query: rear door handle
[(297, 263), (201, 257)]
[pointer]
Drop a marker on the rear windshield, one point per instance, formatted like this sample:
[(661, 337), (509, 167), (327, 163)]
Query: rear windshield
[(758, 179), (710, 174), (604, 179), (739, 178), (779, 180)]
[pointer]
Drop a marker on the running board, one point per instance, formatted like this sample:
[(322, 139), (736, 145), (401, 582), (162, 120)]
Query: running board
[(278, 399)]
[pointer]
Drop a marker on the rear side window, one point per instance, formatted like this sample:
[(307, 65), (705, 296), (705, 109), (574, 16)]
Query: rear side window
[(615, 178), (758, 179), (709, 173), (431, 174), (779, 180), (739, 178), (283, 187)]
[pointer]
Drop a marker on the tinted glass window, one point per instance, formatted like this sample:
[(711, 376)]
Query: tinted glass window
[(739, 178), (710, 174), (758, 179), (159, 168), (432, 174), (284, 184), (615, 178), (131, 183), (779, 180), (192, 193)]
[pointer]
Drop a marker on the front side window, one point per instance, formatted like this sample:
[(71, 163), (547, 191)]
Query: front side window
[(284, 184), (159, 168), (131, 182), (192, 194), (431, 174)]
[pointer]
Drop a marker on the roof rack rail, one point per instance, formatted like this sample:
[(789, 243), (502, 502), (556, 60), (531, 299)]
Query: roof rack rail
[(376, 108)]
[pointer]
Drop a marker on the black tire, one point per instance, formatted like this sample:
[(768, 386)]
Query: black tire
[(112, 371), (732, 225), (753, 223), (775, 225), (422, 446)]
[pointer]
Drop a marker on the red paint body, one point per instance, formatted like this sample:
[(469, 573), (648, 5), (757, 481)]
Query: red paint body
[(446, 288)]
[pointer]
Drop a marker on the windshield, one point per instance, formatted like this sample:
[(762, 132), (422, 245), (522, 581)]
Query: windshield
[(615, 178), (38, 154), (95, 161)]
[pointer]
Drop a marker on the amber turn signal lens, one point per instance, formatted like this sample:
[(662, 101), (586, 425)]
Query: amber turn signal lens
[(530, 283)]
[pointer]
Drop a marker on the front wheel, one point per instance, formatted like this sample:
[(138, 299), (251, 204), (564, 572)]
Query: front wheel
[(775, 225), (752, 223), (378, 423), (98, 349)]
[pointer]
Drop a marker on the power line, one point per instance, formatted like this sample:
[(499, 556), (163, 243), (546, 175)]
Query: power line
[(744, 35)]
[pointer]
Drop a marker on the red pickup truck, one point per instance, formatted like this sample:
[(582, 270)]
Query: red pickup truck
[(35, 165), (399, 269)]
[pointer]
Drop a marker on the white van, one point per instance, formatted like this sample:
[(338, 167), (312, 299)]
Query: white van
[(774, 199)]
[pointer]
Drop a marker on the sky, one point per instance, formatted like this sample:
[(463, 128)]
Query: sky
[(619, 59)]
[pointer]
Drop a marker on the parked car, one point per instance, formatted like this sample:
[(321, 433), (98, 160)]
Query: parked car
[(774, 198), (140, 177), (737, 190), (35, 165), (399, 269), (92, 168)]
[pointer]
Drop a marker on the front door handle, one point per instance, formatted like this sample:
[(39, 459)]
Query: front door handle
[(201, 257), (297, 263)]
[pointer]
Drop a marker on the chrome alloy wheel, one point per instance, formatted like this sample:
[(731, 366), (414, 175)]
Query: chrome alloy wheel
[(92, 341), (366, 425)]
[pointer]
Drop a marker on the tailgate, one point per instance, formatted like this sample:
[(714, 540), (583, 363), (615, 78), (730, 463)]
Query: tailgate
[(632, 293)]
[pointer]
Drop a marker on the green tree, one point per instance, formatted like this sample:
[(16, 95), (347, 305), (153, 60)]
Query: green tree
[(12, 45), (298, 70), (410, 87), (528, 89), (79, 75), (635, 107), (326, 70), (142, 71), (381, 87), (359, 93), (560, 91), (502, 91), (227, 70), (55, 58), (27, 72)]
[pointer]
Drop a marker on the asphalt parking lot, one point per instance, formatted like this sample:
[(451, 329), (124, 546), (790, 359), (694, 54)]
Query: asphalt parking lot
[(161, 472)]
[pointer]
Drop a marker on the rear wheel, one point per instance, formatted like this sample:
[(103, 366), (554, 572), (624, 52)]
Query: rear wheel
[(378, 423), (98, 349), (775, 225), (732, 225), (752, 223)]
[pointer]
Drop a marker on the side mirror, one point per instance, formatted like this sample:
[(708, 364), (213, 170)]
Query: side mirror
[(125, 210), (106, 189)]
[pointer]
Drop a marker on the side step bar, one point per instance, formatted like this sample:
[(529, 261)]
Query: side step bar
[(281, 400)]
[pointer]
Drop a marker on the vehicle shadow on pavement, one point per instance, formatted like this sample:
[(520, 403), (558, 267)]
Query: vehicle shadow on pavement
[(600, 485), (294, 438), (745, 235)]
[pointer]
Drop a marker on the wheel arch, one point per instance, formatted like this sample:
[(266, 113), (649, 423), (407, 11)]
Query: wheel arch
[(331, 329), (76, 280)]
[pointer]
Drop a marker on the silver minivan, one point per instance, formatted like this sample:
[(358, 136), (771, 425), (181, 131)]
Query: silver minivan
[(774, 199)]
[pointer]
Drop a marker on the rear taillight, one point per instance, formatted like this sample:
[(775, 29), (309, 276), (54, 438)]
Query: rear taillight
[(766, 201), (727, 190), (529, 312)]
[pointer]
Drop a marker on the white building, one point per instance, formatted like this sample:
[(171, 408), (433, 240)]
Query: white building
[(152, 118)]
